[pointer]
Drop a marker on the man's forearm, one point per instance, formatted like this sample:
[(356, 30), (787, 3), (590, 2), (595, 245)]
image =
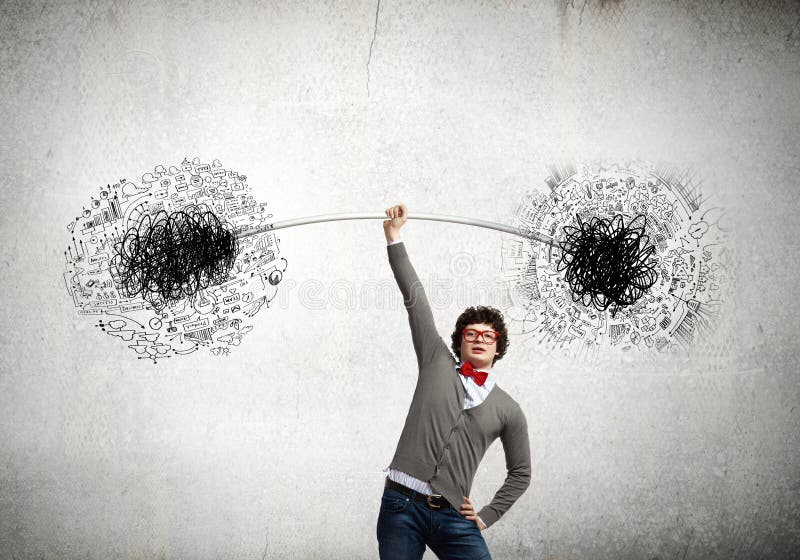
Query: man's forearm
[(516, 447), (513, 487)]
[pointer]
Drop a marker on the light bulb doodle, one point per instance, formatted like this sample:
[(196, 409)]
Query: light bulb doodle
[(639, 263), (159, 266)]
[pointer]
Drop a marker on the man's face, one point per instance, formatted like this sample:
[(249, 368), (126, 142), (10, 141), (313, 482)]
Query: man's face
[(478, 352)]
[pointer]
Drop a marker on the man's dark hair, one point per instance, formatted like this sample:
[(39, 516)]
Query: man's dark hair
[(481, 314)]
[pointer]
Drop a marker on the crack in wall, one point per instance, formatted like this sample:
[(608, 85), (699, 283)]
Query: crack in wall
[(571, 4), (372, 43), (266, 544)]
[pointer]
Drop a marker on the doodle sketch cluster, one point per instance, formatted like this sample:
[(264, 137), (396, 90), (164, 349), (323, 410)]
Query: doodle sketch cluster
[(685, 263), (216, 315)]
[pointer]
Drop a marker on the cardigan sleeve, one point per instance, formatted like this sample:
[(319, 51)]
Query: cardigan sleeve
[(518, 465), (424, 335)]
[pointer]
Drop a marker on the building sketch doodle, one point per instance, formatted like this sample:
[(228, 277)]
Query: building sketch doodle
[(641, 263), (157, 264)]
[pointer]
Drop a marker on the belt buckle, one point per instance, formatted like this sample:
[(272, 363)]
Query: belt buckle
[(428, 499)]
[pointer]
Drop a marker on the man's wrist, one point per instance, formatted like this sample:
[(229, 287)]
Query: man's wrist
[(392, 234), (486, 514)]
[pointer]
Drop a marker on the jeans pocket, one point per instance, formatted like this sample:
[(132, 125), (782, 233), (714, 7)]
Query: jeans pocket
[(392, 504)]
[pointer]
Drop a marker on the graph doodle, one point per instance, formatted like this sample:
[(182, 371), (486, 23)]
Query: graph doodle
[(640, 264), (157, 263)]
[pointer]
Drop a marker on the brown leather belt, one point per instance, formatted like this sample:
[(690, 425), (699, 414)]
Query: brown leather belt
[(434, 501)]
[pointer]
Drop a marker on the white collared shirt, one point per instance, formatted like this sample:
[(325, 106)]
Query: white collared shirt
[(474, 394)]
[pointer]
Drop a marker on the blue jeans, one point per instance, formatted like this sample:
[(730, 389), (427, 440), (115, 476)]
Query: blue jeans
[(406, 525)]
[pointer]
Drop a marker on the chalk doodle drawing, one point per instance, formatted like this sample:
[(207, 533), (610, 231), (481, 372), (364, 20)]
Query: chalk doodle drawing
[(131, 226), (641, 264)]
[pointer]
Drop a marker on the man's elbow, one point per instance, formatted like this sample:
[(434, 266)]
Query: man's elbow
[(522, 477), (525, 481)]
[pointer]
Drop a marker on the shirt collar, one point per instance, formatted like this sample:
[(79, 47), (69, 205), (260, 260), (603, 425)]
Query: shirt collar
[(487, 385)]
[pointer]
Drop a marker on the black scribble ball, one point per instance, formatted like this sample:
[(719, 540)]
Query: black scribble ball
[(167, 257), (606, 262)]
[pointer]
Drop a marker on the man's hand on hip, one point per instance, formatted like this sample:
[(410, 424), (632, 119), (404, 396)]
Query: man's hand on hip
[(468, 511)]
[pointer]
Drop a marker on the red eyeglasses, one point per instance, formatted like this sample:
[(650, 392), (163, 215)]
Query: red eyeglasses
[(471, 335)]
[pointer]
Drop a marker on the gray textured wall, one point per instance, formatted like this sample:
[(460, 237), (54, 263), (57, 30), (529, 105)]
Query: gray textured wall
[(277, 450)]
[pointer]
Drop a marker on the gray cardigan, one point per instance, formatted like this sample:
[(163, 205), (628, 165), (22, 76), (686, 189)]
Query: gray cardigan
[(441, 442)]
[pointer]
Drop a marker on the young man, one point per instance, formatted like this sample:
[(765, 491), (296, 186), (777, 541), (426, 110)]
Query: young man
[(456, 413)]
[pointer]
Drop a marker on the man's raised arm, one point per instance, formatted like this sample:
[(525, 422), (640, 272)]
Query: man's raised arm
[(423, 329)]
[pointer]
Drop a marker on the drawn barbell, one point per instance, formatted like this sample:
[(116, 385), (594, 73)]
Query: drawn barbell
[(194, 260), (167, 257)]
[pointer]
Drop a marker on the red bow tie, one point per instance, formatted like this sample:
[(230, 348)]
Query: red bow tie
[(467, 370)]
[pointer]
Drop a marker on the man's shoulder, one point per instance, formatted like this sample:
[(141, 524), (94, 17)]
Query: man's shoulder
[(507, 403), (504, 396), (443, 353), (442, 360)]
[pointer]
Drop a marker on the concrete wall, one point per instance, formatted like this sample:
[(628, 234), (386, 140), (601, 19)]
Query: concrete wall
[(451, 107)]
